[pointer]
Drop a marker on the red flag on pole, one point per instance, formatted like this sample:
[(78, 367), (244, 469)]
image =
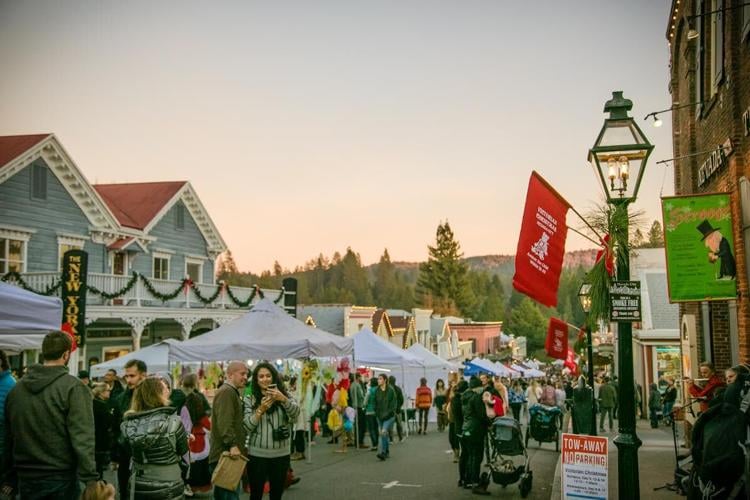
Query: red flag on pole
[(570, 362), (556, 344), (541, 245)]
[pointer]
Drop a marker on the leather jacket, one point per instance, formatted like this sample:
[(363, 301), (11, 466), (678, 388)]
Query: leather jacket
[(155, 436)]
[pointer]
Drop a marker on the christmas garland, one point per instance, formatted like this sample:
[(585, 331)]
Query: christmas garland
[(109, 296), (164, 297), (15, 276)]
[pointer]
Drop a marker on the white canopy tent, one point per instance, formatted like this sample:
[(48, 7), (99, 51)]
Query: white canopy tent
[(155, 356), (25, 318), (372, 350), (264, 332), (435, 368)]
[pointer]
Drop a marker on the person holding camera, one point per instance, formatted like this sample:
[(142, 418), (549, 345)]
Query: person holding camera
[(268, 420)]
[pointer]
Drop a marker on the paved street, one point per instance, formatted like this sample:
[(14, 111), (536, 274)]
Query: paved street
[(420, 467)]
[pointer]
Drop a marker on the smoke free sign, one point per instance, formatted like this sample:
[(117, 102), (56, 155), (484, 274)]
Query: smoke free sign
[(585, 463)]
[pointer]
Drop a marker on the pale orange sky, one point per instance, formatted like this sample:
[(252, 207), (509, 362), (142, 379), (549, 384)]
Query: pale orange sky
[(307, 127)]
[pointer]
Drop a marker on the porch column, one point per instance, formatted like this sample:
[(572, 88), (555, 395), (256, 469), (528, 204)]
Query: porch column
[(138, 324), (187, 323)]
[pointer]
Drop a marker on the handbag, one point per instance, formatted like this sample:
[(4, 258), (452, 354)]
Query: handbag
[(228, 472)]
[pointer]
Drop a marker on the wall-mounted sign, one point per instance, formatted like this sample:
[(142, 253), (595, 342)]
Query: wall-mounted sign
[(699, 242), (716, 161), (75, 264), (625, 301)]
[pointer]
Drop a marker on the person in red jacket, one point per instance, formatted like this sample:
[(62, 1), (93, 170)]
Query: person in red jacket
[(423, 404), (708, 390)]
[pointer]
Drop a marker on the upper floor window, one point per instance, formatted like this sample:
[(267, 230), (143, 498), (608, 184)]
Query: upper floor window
[(717, 45), (12, 255), (39, 182), (65, 243), (179, 222), (161, 267), (194, 270)]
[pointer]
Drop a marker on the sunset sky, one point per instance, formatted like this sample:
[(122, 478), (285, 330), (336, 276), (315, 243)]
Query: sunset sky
[(310, 126)]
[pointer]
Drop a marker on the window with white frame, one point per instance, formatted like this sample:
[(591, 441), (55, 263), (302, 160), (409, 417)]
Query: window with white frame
[(12, 255), (716, 54), (65, 243), (194, 269), (161, 266)]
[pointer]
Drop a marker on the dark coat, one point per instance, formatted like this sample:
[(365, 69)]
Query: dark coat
[(474, 412), (50, 426), (386, 403), (227, 429), (104, 419)]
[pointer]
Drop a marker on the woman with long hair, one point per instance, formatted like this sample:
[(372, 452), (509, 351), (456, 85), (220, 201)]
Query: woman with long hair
[(269, 416), (195, 417), (439, 402), (156, 439)]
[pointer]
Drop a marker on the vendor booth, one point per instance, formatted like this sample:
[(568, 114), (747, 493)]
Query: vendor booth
[(155, 356), (25, 318)]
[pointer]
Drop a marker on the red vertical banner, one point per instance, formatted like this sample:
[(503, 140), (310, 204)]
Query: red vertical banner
[(556, 344), (541, 244)]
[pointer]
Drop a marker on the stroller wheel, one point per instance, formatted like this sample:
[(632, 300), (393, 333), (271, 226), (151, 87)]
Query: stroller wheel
[(525, 485)]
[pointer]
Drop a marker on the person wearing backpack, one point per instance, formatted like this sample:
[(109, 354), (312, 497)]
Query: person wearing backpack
[(423, 402)]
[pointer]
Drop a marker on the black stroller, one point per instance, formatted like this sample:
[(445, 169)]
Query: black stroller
[(543, 425), (506, 442)]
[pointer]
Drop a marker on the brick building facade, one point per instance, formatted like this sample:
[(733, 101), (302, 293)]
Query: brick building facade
[(710, 86)]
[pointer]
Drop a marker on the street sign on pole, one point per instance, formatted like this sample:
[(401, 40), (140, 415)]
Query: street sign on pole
[(625, 301), (584, 467)]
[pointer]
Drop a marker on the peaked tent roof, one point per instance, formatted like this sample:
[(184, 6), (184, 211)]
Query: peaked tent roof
[(136, 204), (371, 349), (155, 356), (430, 359), (264, 332), (12, 146)]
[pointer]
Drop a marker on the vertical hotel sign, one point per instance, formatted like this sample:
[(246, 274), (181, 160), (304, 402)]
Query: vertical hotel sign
[(699, 241), (75, 263)]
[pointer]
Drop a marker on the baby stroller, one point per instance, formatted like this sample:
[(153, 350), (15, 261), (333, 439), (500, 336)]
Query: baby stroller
[(506, 441), (543, 425)]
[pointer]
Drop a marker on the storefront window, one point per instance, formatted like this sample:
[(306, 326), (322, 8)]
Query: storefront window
[(668, 365)]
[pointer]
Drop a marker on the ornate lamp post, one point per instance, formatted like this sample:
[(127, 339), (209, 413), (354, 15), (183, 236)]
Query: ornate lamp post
[(584, 297), (619, 156)]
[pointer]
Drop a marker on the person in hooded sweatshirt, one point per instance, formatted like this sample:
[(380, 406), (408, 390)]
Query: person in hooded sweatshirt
[(6, 384), (50, 427)]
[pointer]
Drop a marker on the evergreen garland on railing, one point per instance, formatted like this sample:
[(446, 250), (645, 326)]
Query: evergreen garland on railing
[(15, 276), (164, 297), (109, 296), (203, 299), (239, 302)]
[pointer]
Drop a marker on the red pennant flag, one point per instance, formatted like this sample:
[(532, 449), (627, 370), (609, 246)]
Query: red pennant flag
[(556, 344), (541, 245), (570, 362)]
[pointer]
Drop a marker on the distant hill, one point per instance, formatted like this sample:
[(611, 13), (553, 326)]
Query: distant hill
[(502, 265)]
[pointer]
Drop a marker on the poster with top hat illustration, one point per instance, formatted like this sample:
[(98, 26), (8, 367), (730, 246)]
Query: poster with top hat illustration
[(699, 242)]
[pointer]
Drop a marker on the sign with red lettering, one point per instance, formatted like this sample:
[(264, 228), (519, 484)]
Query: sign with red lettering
[(584, 467)]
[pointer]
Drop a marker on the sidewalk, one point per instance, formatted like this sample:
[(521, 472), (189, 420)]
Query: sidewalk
[(656, 462)]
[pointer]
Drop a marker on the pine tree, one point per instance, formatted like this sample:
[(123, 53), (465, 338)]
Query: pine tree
[(655, 235), (226, 266), (443, 279), (637, 239), (527, 320)]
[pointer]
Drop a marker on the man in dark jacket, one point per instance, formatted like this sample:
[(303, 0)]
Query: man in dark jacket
[(50, 427), (474, 433), (607, 402), (135, 373), (386, 408), (399, 406)]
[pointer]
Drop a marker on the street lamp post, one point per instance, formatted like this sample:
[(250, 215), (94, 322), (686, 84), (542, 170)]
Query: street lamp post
[(619, 157), (584, 297)]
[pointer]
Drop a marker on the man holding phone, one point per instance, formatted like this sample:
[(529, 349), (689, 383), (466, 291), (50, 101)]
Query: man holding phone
[(227, 432)]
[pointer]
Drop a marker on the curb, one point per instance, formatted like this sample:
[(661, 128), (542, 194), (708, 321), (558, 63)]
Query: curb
[(556, 493)]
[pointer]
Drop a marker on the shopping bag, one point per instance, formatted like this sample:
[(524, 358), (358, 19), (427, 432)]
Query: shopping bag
[(229, 471)]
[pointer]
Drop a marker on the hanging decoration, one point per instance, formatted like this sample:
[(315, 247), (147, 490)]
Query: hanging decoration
[(115, 295), (16, 277)]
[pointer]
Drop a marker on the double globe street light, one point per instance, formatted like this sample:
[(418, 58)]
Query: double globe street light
[(619, 156)]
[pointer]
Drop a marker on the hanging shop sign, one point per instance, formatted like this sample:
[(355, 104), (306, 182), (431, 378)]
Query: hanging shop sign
[(625, 301), (75, 264), (715, 162), (699, 242), (584, 466)]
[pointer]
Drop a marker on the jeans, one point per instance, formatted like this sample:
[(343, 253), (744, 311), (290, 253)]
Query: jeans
[(48, 489), (361, 424), (667, 411), (372, 428), (221, 493), (422, 425), (385, 429), (273, 470), (608, 412)]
